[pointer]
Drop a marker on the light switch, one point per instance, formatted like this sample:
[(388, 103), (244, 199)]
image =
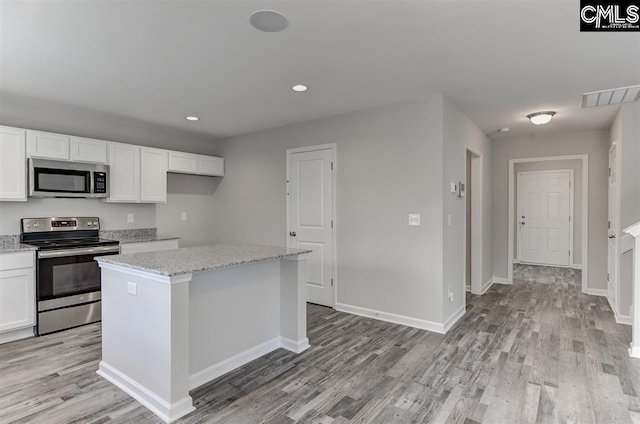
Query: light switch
[(129, 217), (454, 188), (414, 219), (132, 288)]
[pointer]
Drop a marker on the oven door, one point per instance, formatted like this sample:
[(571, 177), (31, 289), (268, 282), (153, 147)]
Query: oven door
[(69, 276)]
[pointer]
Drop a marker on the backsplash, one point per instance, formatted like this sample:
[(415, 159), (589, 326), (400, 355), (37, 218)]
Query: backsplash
[(134, 232)]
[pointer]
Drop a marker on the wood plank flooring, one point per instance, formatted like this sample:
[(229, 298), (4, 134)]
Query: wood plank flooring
[(535, 352)]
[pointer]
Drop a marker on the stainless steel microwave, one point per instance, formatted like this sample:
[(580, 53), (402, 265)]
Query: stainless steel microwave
[(53, 178)]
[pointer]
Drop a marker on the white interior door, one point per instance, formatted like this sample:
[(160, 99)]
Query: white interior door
[(544, 207), (613, 254), (311, 217)]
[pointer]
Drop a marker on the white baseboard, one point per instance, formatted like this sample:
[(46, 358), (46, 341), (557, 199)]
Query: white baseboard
[(467, 288), (11, 336), (294, 346), (623, 319), (500, 280), (486, 286), (576, 266), (393, 318), (216, 370), (168, 412), (450, 322), (597, 292), (634, 352)]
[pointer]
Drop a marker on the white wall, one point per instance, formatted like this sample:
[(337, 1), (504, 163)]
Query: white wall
[(389, 164), (54, 117), (461, 134), (593, 143), (576, 166)]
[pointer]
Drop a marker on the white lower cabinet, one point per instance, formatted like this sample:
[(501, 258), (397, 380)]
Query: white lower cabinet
[(17, 295), (148, 246)]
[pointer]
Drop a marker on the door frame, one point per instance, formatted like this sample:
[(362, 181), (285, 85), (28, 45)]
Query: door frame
[(585, 213), (571, 211), (476, 197), (334, 177), (618, 239)]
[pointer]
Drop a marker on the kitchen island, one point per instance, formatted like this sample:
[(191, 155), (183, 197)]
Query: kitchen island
[(173, 320)]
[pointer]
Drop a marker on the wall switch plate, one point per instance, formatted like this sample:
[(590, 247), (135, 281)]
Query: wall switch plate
[(449, 220), (129, 217), (414, 219), (132, 288), (183, 216), (454, 188), (450, 292)]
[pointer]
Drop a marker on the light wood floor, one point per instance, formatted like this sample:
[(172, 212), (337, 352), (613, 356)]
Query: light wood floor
[(535, 352)]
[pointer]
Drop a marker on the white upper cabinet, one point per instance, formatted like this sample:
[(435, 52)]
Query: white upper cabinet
[(124, 173), (88, 150), (186, 163), (211, 165), (191, 163), (153, 175), (47, 145), (13, 164)]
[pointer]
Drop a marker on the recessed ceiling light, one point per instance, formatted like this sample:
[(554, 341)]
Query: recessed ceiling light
[(505, 129), (300, 88), (541, 118), (192, 118), (268, 21)]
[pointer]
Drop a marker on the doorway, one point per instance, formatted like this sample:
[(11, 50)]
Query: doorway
[(473, 225), (311, 216)]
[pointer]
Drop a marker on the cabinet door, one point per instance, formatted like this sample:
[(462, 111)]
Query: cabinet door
[(124, 173), (153, 175), (13, 164), (211, 165), (47, 145), (17, 299), (88, 150), (183, 162)]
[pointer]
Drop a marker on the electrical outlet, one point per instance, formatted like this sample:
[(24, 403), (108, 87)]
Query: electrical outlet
[(132, 288), (183, 216), (414, 219), (129, 217), (450, 294)]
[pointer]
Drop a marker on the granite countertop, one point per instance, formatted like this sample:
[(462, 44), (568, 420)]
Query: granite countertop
[(11, 243), (189, 260), (137, 235)]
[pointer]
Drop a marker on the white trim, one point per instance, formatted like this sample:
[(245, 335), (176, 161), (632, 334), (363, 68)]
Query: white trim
[(585, 212), (467, 288), (486, 286), (334, 158), (293, 345), (623, 319), (436, 327), (616, 219), (168, 412), (501, 280), (576, 266), (453, 319), (571, 213), (14, 335), (634, 351), (205, 375), (597, 292), (626, 243), (476, 199)]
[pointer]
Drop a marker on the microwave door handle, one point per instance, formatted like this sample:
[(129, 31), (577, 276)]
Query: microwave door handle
[(76, 252)]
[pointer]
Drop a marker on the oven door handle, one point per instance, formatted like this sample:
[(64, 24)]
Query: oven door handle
[(76, 252)]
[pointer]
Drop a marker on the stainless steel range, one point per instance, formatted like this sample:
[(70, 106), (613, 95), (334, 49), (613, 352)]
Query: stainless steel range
[(67, 276)]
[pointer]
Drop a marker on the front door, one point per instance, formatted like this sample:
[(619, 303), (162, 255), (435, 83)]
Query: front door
[(611, 263), (310, 192), (544, 205)]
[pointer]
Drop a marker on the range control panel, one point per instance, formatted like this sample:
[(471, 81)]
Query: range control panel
[(38, 225)]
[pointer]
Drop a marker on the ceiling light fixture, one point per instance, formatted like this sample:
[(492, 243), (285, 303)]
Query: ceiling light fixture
[(192, 118), (541, 118), (268, 21), (300, 88)]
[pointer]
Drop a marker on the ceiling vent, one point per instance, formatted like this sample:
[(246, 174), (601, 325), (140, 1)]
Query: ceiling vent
[(611, 97)]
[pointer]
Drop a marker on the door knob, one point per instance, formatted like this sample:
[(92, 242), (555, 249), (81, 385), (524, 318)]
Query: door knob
[(612, 236), (292, 233)]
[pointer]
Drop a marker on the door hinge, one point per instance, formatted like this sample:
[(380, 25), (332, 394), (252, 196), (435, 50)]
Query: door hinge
[(608, 276), (332, 282), (569, 219), (609, 171), (332, 223), (332, 166), (609, 225), (569, 252)]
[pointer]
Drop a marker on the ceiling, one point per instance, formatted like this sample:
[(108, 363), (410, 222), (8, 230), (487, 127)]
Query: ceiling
[(159, 62)]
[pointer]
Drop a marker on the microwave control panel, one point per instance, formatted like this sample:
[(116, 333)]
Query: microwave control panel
[(99, 182)]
